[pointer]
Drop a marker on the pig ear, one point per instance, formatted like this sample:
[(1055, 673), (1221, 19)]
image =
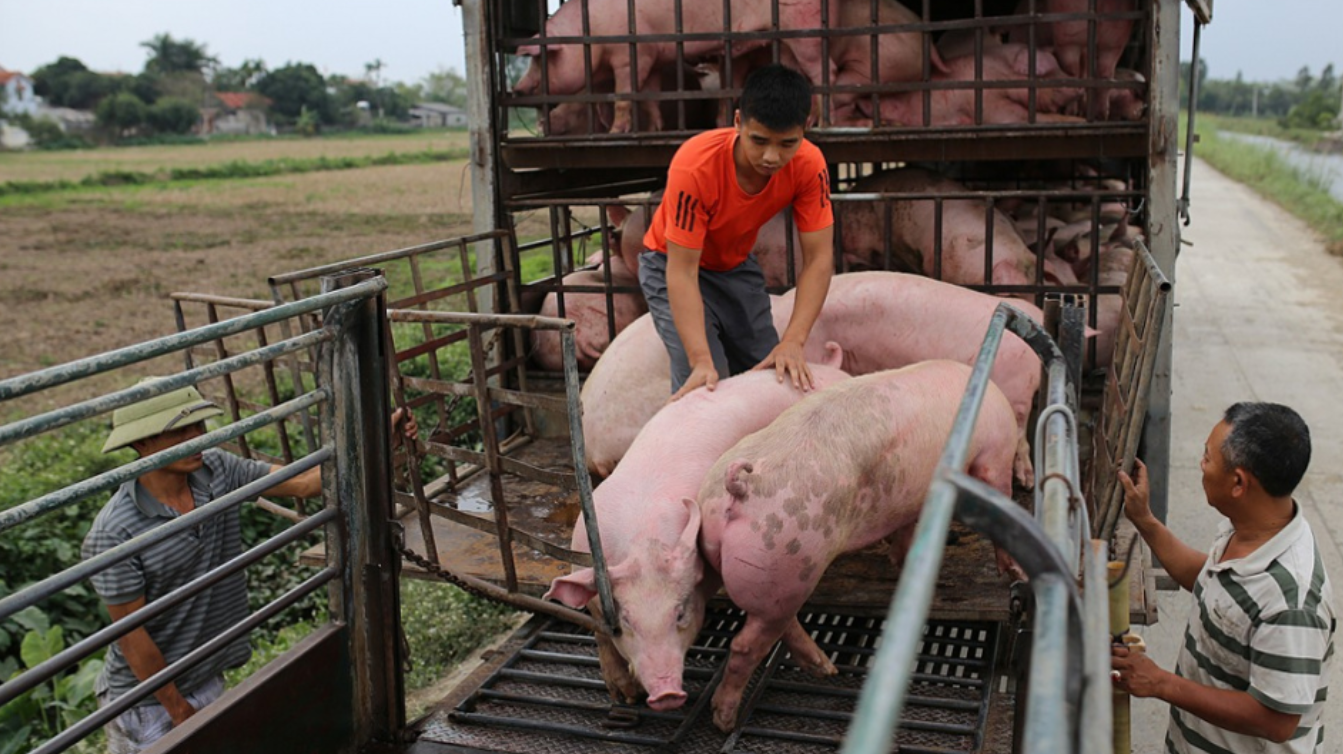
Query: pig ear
[(834, 355), (575, 589), (690, 534), (736, 483)]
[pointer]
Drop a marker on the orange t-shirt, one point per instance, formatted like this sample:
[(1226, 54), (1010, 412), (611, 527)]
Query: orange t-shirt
[(705, 208)]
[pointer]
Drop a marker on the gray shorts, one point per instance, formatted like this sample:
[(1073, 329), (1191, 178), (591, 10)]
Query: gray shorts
[(138, 727), (737, 318)]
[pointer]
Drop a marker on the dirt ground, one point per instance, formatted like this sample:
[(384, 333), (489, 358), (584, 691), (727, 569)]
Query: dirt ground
[(82, 272)]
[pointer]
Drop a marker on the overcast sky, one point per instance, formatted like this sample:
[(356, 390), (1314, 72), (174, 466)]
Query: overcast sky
[(1266, 40)]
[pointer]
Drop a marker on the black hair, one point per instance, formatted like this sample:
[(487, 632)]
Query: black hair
[(1269, 440), (777, 97)]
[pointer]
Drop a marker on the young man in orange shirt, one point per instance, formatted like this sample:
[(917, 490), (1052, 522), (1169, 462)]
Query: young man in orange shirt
[(704, 288)]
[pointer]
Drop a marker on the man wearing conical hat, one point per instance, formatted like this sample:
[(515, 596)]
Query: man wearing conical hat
[(152, 500)]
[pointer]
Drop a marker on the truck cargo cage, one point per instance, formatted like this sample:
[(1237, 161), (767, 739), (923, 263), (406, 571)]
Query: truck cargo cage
[(693, 62)]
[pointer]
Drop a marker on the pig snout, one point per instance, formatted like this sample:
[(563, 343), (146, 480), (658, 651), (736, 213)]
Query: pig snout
[(667, 699)]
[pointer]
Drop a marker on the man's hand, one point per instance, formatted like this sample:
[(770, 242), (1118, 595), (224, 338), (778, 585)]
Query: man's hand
[(1135, 672), (787, 359), (409, 428), (180, 712), (1137, 493), (703, 374)]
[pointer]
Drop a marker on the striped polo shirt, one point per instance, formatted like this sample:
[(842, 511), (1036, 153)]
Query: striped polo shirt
[(168, 565), (1263, 624)]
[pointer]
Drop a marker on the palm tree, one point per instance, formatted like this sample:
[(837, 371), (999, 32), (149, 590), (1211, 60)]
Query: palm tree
[(168, 55)]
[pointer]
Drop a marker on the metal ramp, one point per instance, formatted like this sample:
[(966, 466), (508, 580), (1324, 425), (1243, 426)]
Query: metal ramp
[(544, 694)]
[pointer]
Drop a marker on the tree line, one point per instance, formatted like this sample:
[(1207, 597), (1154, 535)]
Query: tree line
[(180, 76), (1307, 101)]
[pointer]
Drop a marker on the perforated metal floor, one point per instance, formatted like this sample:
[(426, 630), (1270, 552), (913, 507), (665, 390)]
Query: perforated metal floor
[(548, 696)]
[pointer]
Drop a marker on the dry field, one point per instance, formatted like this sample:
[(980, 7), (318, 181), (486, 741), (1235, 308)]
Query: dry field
[(75, 164), (88, 270)]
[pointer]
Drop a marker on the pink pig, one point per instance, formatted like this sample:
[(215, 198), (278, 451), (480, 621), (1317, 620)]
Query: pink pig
[(649, 530), (565, 68), (630, 384), (839, 471), (914, 232), (588, 310), (956, 107), (888, 320)]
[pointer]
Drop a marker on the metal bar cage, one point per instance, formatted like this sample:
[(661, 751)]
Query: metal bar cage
[(249, 425), (463, 369), (605, 69)]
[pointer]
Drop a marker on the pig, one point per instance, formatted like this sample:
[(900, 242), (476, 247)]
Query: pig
[(1069, 42), (839, 471), (574, 118), (588, 310), (630, 383), (888, 320), (963, 240), (956, 107), (899, 54), (625, 389), (565, 67), (1115, 261), (650, 526)]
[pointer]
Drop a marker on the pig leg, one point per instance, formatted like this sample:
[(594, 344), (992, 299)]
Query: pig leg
[(1023, 470), (805, 653), (621, 684), (623, 122), (749, 648)]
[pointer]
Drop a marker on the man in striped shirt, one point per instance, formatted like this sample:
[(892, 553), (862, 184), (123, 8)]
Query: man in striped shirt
[(1253, 674), (153, 499)]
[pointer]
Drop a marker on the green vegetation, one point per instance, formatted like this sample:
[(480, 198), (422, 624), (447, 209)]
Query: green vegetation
[(1306, 137), (1300, 192), (229, 170), (1304, 102)]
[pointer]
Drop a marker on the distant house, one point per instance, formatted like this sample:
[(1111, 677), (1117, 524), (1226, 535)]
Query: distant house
[(19, 97), (236, 113), (70, 120), (437, 115)]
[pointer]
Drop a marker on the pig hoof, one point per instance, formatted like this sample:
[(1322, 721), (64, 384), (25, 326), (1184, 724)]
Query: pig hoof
[(725, 721)]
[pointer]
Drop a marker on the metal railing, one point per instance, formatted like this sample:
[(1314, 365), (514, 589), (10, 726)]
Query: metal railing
[(1128, 387), (349, 443), (1068, 692)]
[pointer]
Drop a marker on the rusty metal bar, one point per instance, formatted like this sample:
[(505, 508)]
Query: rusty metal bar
[(491, 442), (17, 387)]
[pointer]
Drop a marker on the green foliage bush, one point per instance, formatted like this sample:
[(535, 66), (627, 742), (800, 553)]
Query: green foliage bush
[(51, 707), (443, 625), (121, 112), (173, 115)]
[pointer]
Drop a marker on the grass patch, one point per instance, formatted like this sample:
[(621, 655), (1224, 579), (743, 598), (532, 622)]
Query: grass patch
[(1306, 137), (443, 625), (235, 169), (1303, 193)]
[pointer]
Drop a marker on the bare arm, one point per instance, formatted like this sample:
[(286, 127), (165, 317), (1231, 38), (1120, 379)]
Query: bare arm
[(1235, 711), (145, 659), (1181, 561), (309, 483), (688, 315), (813, 284)]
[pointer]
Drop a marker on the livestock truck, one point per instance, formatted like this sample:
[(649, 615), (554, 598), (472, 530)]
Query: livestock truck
[(1051, 124)]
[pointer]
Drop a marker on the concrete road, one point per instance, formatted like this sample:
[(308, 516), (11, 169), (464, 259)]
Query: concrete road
[(1259, 316)]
